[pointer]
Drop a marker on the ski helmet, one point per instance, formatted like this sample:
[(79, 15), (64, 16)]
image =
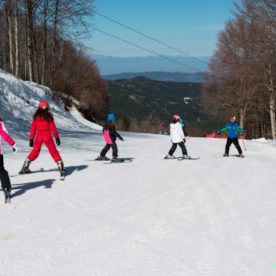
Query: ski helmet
[(176, 117), (111, 117), (232, 118), (43, 105)]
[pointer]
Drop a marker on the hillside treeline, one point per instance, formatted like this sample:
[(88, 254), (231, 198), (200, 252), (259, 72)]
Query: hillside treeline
[(241, 74), (39, 41)]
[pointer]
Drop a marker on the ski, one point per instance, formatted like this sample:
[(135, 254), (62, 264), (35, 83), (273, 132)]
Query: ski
[(101, 159), (181, 158), (120, 160), (192, 158), (166, 158), (30, 172), (232, 155), (171, 158), (62, 173), (237, 155)]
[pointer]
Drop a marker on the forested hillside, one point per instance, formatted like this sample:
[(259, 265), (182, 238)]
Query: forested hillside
[(40, 42), (242, 72), (147, 105)]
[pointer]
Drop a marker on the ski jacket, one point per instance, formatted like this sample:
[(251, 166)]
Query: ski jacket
[(183, 127), (110, 134), (4, 134), (40, 125), (232, 129), (176, 133)]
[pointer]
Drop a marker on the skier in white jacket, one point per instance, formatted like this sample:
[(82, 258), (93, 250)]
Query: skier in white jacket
[(177, 138)]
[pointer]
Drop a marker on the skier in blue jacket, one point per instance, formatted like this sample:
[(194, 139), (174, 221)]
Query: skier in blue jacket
[(233, 130)]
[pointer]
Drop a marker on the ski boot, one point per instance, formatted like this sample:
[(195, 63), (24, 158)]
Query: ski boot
[(226, 155), (25, 169), (169, 157), (114, 159), (186, 156), (102, 158), (7, 194), (241, 155), (61, 169)]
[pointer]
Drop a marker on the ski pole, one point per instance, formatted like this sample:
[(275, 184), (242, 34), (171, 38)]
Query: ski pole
[(243, 143)]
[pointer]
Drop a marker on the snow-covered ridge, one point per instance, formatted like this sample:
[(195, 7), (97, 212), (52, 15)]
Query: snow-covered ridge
[(19, 100)]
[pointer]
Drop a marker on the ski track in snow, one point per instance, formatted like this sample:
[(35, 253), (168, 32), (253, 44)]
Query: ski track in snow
[(150, 217)]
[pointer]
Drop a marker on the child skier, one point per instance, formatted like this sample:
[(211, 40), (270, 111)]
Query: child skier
[(233, 130), (42, 129), (177, 138), (110, 134), (4, 176)]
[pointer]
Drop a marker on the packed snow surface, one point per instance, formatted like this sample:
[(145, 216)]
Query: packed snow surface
[(213, 216)]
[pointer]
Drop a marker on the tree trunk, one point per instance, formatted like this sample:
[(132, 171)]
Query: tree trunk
[(9, 25), (242, 118), (29, 55), (45, 30), (29, 6), (55, 40), (272, 116), (16, 40)]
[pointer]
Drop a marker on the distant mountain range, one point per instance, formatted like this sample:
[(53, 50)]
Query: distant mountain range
[(115, 65), (160, 76)]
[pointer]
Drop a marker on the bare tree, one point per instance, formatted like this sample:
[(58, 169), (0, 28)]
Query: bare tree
[(39, 41), (243, 68)]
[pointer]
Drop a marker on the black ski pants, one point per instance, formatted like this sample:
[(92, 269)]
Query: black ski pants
[(107, 147), (4, 176), (181, 145), (235, 141)]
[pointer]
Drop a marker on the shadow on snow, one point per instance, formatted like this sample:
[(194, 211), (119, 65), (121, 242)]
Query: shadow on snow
[(71, 169), (47, 183), (23, 188)]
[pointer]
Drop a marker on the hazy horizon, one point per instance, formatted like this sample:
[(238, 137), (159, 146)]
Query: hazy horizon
[(115, 65)]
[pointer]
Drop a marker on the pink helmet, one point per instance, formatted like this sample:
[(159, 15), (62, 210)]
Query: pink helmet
[(232, 118), (43, 105), (176, 117)]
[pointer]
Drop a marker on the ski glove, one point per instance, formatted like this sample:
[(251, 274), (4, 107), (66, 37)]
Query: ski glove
[(121, 138), (58, 141), (14, 148), (184, 140), (31, 143)]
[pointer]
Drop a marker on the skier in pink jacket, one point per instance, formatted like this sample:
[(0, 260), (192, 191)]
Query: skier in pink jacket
[(110, 134), (4, 176)]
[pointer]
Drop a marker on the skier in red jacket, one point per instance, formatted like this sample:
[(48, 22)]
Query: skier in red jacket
[(42, 129)]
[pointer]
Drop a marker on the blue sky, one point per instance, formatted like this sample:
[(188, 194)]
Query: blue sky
[(189, 25)]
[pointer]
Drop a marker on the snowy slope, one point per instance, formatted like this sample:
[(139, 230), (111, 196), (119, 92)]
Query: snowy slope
[(213, 216), (19, 100)]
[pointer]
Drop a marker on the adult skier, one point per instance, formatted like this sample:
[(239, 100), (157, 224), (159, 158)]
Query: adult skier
[(42, 129), (4, 175), (233, 130), (110, 134), (177, 138)]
